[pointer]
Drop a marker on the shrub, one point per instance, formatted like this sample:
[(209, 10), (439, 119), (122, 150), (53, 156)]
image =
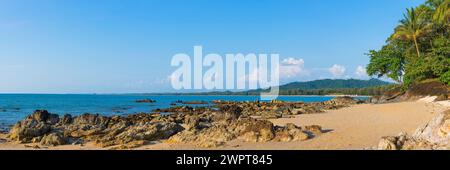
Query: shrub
[(445, 78)]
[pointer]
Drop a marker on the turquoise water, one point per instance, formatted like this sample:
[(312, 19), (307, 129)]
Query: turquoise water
[(14, 107)]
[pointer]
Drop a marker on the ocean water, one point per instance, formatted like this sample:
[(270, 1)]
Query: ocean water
[(14, 107)]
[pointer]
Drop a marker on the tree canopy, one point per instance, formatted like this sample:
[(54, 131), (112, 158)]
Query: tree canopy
[(419, 47)]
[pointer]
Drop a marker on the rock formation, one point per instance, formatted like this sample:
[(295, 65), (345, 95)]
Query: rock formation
[(432, 136), (210, 126)]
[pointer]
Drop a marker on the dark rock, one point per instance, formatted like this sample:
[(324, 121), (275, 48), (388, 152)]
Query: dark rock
[(191, 122), (194, 102), (53, 139), (145, 101), (37, 124), (290, 133), (67, 119)]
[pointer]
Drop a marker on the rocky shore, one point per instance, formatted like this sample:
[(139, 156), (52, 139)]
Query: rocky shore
[(205, 127), (434, 135)]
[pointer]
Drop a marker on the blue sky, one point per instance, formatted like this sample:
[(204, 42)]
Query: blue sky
[(116, 46)]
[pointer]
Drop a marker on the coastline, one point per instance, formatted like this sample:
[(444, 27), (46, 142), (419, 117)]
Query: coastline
[(144, 94), (355, 127)]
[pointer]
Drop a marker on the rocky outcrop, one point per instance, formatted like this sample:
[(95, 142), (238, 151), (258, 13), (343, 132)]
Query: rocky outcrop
[(209, 126), (433, 135), (343, 101), (290, 133), (52, 139), (226, 128), (277, 109), (36, 125), (416, 91), (48, 129)]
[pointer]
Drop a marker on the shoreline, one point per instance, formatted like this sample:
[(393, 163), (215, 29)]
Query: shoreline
[(157, 105), (143, 94), (355, 127)]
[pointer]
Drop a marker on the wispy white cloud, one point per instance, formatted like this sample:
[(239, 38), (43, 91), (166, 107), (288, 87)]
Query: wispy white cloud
[(292, 61), (361, 72), (337, 70), (292, 67)]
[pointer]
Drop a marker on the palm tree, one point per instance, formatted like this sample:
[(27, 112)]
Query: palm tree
[(442, 12), (411, 27)]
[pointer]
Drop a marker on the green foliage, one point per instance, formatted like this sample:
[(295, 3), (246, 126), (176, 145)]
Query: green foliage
[(388, 62), (418, 49), (412, 26), (445, 78), (333, 84)]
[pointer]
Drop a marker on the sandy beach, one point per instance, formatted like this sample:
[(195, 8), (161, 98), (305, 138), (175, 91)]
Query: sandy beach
[(356, 127)]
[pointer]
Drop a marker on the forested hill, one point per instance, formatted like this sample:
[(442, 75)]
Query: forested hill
[(333, 84), (319, 87)]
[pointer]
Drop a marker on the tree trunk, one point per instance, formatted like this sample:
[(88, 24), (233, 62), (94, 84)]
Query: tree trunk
[(417, 46), (431, 44)]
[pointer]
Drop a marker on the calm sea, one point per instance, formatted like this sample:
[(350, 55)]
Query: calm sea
[(14, 107)]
